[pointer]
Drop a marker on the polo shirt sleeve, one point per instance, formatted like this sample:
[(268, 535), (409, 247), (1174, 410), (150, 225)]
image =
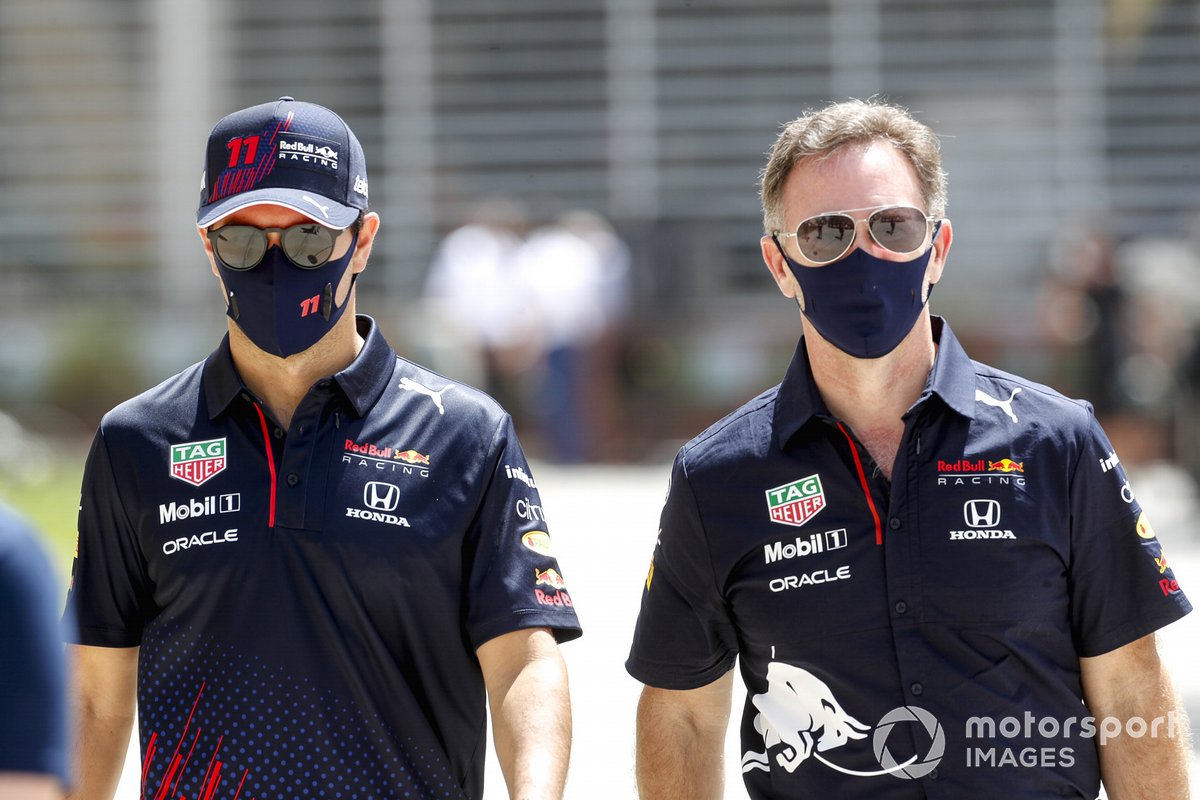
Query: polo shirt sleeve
[(515, 581), (110, 592), (1122, 587), (33, 681), (684, 637)]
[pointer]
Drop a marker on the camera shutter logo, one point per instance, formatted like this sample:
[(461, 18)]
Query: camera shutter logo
[(917, 766), (380, 496), (981, 513)]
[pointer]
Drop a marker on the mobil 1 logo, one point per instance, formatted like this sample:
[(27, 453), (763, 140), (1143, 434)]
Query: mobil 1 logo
[(198, 507), (804, 546)]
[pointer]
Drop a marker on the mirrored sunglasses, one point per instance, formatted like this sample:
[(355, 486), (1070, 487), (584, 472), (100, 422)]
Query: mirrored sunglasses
[(825, 238), (308, 245)]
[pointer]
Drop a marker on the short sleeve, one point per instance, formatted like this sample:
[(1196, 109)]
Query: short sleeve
[(33, 683), (684, 637), (515, 580), (1122, 586), (109, 594)]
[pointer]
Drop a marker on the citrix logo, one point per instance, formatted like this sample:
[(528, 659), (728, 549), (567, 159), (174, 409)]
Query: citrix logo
[(527, 509)]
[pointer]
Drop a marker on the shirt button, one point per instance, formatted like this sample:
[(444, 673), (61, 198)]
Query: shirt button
[(293, 479), (901, 607), (323, 384), (278, 433), (933, 774), (894, 523), (917, 689)]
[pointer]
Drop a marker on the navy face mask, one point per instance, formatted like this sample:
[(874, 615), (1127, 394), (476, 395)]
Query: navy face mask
[(863, 305), (283, 309)]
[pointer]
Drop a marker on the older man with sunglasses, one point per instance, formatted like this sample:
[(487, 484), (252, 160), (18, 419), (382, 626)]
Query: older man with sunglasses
[(300, 556), (935, 575)]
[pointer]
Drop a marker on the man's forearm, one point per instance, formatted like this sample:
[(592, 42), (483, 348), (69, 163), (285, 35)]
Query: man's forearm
[(102, 744), (679, 765), (105, 681), (531, 717), (681, 743), (1153, 764), (1144, 743)]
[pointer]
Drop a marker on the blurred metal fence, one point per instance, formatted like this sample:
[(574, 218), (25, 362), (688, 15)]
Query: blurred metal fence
[(656, 113)]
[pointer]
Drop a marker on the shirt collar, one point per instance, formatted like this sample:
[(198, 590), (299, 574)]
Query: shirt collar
[(952, 379), (363, 382), (953, 376)]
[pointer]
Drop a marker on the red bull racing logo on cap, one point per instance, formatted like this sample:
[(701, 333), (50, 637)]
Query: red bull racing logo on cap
[(797, 502), (196, 462)]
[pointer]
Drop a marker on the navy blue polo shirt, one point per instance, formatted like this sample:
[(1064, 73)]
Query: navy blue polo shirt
[(913, 638), (308, 602), (33, 675)]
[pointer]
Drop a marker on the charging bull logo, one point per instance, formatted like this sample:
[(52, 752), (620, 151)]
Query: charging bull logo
[(799, 714)]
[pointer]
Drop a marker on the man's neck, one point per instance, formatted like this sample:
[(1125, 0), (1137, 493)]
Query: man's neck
[(282, 383), (872, 395)]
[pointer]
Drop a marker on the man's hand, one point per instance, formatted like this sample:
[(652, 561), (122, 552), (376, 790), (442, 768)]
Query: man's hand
[(105, 705), (681, 741), (531, 711), (1132, 681)]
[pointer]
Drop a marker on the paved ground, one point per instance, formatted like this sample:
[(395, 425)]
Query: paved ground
[(604, 522)]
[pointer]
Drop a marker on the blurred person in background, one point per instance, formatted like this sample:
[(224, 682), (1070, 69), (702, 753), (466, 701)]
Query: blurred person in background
[(300, 556), (538, 313), (575, 272), (897, 540), (484, 329), (33, 674), (1081, 316)]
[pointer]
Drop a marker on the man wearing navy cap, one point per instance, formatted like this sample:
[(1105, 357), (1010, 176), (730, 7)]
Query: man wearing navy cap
[(306, 558), (935, 576)]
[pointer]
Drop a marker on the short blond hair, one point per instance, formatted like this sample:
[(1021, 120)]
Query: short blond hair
[(817, 134)]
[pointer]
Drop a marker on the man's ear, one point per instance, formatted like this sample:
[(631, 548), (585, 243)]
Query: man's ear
[(781, 271), (208, 251), (942, 240), (366, 240)]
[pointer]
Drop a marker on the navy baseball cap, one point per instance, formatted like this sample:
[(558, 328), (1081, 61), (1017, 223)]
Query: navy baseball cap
[(294, 154)]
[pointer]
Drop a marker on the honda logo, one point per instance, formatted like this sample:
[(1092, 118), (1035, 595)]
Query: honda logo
[(982, 513), (380, 496)]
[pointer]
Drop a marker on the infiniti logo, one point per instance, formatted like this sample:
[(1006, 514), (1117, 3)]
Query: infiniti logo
[(981, 513), (380, 496)]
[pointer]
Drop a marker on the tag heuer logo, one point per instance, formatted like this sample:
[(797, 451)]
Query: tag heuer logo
[(196, 462), (797, 502)]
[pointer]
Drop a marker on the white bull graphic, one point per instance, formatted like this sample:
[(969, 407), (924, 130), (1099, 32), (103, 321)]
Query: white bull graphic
[(799, 711)]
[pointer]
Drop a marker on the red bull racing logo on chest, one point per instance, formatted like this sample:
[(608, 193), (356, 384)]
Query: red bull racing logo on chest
[(196, 462), (797, 502)]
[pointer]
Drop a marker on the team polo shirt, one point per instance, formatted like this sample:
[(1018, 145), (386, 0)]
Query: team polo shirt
[(308, 602), (913, 638), (33, 673)]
